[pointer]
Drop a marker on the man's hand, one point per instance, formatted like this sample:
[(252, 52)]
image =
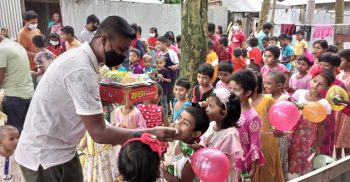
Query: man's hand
[(164, 134)]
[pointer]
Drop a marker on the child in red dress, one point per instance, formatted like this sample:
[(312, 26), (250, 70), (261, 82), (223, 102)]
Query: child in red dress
[(153, 114)]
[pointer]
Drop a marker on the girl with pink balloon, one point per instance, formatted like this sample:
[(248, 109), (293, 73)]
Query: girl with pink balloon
[(224, 111), (308, 135), (273, 85)]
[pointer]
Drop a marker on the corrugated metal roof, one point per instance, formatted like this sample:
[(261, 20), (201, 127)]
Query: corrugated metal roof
[(302, 2), (140, 1), (243, 5), (11, 16)]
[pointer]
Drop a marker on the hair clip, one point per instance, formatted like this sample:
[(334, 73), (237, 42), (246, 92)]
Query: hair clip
[(223, 94), (150, 140)]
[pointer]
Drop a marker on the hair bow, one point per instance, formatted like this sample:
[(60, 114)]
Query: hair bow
[(150, 140), (223, 95), (315, 70)]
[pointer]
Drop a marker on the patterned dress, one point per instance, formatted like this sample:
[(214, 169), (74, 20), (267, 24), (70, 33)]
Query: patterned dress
[(342, 120), (249, 133), (227, 141), (153, 116), (272, 170), (303, 138), (100, 162)]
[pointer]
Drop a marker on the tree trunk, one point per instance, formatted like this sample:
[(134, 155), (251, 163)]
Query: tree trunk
[(194, 27), (339, 18), (273, 13), (264, 13), (310, 11)]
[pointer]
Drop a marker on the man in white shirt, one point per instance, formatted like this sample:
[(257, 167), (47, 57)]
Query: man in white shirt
[(88, 31), (67, 103)]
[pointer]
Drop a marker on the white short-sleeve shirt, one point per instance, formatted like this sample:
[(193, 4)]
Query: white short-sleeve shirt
[(53, 128)]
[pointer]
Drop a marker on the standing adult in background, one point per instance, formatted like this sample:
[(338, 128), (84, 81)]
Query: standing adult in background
[(267, 29), (16, 79), (238, 38), (67, 103), (55, 24), (212, 36), (26, 34), (92, 23), (137, 43), (67, 34)]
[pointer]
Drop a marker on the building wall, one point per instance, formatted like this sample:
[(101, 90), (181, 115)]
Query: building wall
[(11, 16), (163, 16)]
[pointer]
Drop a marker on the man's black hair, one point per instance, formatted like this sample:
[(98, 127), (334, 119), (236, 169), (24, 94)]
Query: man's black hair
[(29, 15), (113, 25), (92, 19), (68, 30)]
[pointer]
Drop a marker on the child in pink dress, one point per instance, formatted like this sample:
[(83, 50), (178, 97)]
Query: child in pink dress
[(272, 54), (153, 114), (225, 71), (301, 79), (224, 111), (243, 83), (308, 135), (128, 116)]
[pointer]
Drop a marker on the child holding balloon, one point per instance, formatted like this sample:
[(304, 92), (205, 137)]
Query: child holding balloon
[(273, 85), (243, 84), (224, 110), (308, 135)]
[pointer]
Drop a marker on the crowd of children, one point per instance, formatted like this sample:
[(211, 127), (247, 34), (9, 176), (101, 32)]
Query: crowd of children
[(228, 110)]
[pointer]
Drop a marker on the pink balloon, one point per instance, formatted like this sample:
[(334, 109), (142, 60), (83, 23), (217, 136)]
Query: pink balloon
[(210, 165), (283, 115)]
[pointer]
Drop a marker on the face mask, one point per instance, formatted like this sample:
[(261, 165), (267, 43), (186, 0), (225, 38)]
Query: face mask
[(113, 58), (54, 43), (33, 26), (94, 28), (235, 28), (152, 34)]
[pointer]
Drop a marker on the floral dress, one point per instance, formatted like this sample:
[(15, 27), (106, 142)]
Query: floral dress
[(249, 134), (342, 120), (100, 162), (303, 138)]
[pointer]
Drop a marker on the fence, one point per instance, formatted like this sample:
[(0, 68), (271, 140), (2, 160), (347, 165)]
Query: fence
[(338, 171)]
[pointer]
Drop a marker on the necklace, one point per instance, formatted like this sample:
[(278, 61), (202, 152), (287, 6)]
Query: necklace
[(7, 176)]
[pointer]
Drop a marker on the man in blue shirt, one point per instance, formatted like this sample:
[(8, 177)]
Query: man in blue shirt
[(267, 28)]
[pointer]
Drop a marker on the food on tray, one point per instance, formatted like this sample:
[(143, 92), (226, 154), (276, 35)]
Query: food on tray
[(125, 78)]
